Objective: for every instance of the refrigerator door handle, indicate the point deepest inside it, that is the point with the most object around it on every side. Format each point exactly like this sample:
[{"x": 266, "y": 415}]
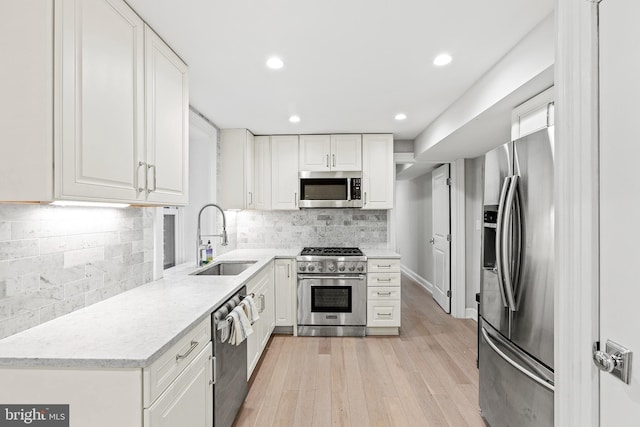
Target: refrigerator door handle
[
  {"x": 516, "y": 365},
  {"x": 499, "y": 232},
  {"x": 507, "y": 242}
]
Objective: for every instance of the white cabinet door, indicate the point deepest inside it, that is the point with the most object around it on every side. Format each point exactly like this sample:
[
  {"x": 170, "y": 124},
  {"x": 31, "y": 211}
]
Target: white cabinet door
[
  {"x": 262, "y": 173},
  {"x": 236, "y": 169},
  {"x": 263, "y": 288},
  {"x": 268, "y": 315},
  {"x": 188, "y": 400},
  {"x": 167, "y": 120},
  {"x": 285, "y": 290},
  {"x": 315, "y": 153},
  {"x": 346, "y": 152},
  {"x": 284, "y": 172},
  {"x": 99, "y": 51},
  {"x": 378, "y": 171}
]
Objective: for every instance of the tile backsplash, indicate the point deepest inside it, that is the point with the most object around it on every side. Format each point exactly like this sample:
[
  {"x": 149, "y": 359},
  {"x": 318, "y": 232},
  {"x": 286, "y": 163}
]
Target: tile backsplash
[
  {"x": 312, "y": 227},
  {"x": 54, "y": 260}
]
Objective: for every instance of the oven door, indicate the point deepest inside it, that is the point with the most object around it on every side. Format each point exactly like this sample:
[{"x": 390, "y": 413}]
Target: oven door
[{"x": 339, "y": 300}]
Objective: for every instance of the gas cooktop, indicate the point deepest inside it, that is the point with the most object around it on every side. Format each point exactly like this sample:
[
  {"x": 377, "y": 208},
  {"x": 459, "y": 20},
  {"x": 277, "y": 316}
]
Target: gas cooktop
[{"x": 331, "y": 251}]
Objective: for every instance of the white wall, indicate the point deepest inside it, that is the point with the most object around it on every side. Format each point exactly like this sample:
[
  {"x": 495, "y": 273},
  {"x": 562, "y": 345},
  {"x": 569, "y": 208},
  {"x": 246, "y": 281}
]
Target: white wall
[
  {"x": 473, "y": 224},
  {"x": 414, "y": 227},
  {"x": 202, "y": 185}
]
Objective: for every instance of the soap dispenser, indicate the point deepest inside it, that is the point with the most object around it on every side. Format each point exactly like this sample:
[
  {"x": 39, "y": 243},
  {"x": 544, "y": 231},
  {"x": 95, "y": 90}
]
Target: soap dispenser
[{"x": 209, "y": 252}]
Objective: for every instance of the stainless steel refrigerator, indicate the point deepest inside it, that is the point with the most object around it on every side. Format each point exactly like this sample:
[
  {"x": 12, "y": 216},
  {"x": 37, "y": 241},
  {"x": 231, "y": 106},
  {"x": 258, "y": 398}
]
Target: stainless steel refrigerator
[{"x": 516, "y": 293}]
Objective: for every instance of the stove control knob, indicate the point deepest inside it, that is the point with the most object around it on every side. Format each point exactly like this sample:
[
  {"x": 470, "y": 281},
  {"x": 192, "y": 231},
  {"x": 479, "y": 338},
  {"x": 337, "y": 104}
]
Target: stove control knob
[
  {"x": 302, "y": 267},
  {"x": 341, "y": 267},
  {"x": 311, "y": 268},
  {"x": 361, "y": 267},
  {"x": 352, "y": 267},
  {"x": 331, "y": 267},
  {"x": 320, "y": 267}
]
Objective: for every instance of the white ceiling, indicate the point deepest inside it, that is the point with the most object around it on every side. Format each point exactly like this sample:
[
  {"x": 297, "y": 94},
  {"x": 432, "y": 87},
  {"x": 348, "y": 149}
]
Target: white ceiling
[{"x": 350, "y": 65}]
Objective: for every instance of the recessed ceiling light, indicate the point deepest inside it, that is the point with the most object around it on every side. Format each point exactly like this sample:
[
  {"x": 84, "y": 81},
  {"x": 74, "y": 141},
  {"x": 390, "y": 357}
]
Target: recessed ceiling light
[
  {"x": 401, "y": 116},
  {"x": 275, "y": 63},
  {"x": 294, "y": 119},
  {"x": 442, "y": 59}
]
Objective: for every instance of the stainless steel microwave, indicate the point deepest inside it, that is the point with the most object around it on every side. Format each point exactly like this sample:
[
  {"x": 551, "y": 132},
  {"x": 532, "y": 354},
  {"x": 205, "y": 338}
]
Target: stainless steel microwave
[{"x": 330, "y": 189}]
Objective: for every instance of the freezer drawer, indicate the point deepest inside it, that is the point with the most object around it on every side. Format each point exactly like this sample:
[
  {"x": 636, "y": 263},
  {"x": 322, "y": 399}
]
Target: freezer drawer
[{"x": 508, "y": 396}]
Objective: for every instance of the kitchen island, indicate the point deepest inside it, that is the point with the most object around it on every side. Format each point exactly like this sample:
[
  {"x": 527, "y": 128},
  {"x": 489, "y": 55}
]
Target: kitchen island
[{"x": 141, "y": 351}]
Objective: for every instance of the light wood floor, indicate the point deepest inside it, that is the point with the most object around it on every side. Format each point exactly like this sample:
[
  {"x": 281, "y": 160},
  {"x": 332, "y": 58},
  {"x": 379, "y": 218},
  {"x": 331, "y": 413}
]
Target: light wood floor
[{"x": 427, "y": 376}]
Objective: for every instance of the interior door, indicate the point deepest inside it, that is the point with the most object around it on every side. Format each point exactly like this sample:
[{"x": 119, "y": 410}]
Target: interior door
[
  {"x": 441, "y": 238},
  {"x": 619, "y": 201}
]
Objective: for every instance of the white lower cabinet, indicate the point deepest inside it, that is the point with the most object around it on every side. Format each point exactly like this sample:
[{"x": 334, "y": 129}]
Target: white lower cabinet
[
  {"x": 262, "y": 287},
  {"x": 188, "y": 401},
  {"x": 383, "y": 296},
  {"x": 176, "y": 390},
  {"x": 285, "y": 289}
]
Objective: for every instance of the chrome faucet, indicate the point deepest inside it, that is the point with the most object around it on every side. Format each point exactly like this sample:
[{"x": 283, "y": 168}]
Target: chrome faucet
[{"x": 225, "y": 239}]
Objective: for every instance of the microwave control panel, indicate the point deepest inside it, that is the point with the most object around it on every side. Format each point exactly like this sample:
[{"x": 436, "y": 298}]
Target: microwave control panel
[{"x": 356, "y": 189}]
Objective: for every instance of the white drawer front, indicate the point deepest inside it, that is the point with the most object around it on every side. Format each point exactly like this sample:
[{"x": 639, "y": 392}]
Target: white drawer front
[
  {"x": 383, "y": 279},
  {"x": 383, "y": 266},
  {"x": 383, "y": 293},
  {"x": 163, "y": 371},
  {"x": 383, "y": 313}
]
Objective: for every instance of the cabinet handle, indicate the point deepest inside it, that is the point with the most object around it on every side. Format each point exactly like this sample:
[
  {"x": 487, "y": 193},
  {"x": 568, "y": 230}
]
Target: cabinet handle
[
  {"x": 194, "y": 344},
  {"x": 262, "y": 303},
  {"x": 288, "y": 270},
  {"x": 385, "y": 314},
  {"x": 250, "y": 198},
  {"x": 154, "y": 178},
  {"x": 295, "y": 199},
  {"x": 388, "y": 294},
  {"x": 333, "y": 156},
  {"x": 327, "y": 161},
  {"x": 383, "y": 266},
  {"x": 365, "y": 198},
  {"x": 141, "y": 163}
]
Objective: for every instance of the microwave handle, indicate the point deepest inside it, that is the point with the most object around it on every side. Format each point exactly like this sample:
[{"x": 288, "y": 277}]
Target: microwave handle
[{"x": 349, "y": 189}]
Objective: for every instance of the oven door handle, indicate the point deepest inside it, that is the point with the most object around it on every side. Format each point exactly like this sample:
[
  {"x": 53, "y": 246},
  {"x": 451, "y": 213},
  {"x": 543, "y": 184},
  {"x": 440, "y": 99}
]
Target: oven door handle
[{"x": 321, "y": 277}]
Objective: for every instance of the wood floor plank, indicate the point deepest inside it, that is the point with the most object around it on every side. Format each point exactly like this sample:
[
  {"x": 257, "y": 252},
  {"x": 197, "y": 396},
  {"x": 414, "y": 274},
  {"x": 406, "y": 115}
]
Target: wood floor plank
[{"x": 426, "y": 376}]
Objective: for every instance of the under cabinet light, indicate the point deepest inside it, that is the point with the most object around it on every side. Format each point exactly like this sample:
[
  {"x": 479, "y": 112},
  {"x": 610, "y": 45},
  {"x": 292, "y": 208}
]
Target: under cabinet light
[
  {"x": 89, "y": 204},
  {"x": 294, "y": 119},
  {"x": 401, "y": 116}
]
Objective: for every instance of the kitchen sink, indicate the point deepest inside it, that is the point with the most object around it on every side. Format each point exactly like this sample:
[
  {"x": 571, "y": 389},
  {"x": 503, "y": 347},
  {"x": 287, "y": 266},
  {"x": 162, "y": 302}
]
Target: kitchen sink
[{"x": 225, "y": 268}]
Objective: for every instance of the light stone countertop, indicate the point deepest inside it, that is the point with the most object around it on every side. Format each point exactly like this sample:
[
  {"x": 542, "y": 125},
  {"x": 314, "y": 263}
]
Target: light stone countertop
[
  {"x": 132, "y": 329},
  {"x": 380, "y": 253}
]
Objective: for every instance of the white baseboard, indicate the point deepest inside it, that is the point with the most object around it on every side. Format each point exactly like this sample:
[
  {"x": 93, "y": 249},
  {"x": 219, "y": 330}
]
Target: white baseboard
[
  {"x": 471, "y": 313},
  {"x": 421, "y": 280}
]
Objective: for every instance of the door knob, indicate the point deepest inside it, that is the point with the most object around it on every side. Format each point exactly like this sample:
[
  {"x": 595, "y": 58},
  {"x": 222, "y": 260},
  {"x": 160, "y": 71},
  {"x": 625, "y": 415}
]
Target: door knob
[
  {"x": 615, "y": 360},
  {"x": 432, "y": 241}
]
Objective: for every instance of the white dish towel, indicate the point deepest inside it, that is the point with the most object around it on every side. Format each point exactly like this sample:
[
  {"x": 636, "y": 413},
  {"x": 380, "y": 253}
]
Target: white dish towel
[
  {"x": 250, "y": 309},
  {"x": 240, "y": 326}
]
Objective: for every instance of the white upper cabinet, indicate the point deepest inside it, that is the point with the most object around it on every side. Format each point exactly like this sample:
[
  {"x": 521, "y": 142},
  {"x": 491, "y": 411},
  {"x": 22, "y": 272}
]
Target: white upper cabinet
[
  {"x": 236, "y": 169},
  {"x": 284, "y": 172},
  {"x": 99, "y": 87},
  {"x": 330, "y": 152},
  {"x": 315, "y": 152},
  {"x": 346, "y": 152},
  {"x": 535, "y": 114},
  {"x": 262, "y": 173},
  {"x": 84, "y": 64},
  {"x": 167, "y": 120},
  {"x": 378, "y": 171}
]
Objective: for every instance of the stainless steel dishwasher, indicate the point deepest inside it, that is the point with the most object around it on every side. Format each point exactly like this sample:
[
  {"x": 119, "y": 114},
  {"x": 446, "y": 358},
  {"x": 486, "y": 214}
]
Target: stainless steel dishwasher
[{"x": 229, "y": 368}]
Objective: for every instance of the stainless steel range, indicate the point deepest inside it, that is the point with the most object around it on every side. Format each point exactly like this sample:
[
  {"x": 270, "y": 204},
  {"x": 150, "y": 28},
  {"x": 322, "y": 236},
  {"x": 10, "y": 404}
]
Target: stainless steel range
[{"x": 332, "y": 292}]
